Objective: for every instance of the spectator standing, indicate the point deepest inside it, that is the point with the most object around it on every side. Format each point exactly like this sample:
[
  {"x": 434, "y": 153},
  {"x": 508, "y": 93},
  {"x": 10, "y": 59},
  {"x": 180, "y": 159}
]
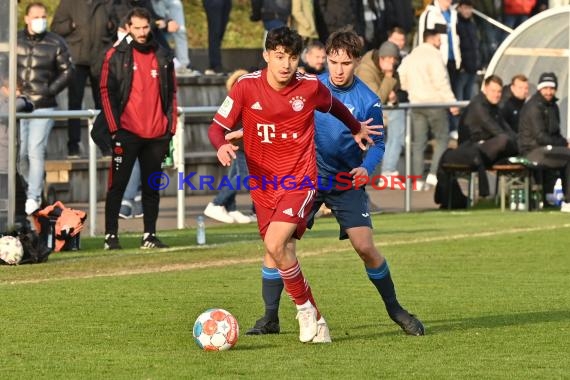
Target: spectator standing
[
  {"x": 159, "y": 25},
  {"x": 490, "y": 35},
  {"x": 515, "y": 12},
  {"x": 397, "y": 36},
  {"x": 469, "y": 46},
  {"x": 138, "y": 92},
  {"x": 387, "y": 15},
  {"x": 218, "y": 16},
  {"x": 89, "y": 28},
  {"x": 174, "y": 10},
  {"x": 378, "y": 71},
  {"x": 303, "y": 20},
  {"x": 332, "y": 15},
  {"x": 513, "y": 99},
  {"x": 314, "y": 58},
  {"x": 441, "y": 12},
  {"x": 424, "y": 76},
  {"x": 272, "y": 13},
  {"x": 540, "y": 139},
  {"x": 44, "y": 70},
  {"x": 483, "y": 125}
]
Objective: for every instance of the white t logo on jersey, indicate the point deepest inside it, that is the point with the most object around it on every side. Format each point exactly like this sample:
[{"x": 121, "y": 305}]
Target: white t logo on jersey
[{"x": 266, "y": 131}]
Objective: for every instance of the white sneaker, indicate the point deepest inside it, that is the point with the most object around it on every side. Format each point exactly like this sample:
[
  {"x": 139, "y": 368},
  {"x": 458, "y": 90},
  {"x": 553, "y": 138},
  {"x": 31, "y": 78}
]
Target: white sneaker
[
  {"x": 253, "y": 218},
  {"x": 323, "y": 333},
  {"x": 240, "y": 218},
  {"x": 307, "y": 317},
  {"x": 565, "y": 207},
  {"x": 431, "y": 179},
  {"x": 419, "y": 185},
  {"x": 385, "y": 180},
  {"x": 32, "y": 206},
  {"x": 218, "y": 213}
]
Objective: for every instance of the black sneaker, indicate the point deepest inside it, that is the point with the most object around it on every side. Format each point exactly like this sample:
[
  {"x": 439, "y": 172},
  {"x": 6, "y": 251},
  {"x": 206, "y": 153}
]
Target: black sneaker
[
  {"x": 263, "y": 326},
  {"x": 151, "y": 241},
  {"x": 408, "y": 322},
  {"x": 112, "y": 242}
]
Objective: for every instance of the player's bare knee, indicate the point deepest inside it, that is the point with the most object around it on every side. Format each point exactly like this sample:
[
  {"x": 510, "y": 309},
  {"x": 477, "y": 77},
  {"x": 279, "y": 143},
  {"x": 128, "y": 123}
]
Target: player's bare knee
[
  {"x": 366, "y": 251},
  {"x": 276, "y": 251}
]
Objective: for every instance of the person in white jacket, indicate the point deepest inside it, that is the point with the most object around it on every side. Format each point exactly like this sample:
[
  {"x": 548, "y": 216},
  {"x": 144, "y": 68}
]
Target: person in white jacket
[
  {"x": 424, "y": 76},
  {"x": 441, "y": 12}
]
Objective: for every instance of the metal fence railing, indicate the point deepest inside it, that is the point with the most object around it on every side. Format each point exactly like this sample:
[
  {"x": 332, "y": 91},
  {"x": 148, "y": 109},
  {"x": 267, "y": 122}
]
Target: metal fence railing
[{"x": 179, "y": 160}]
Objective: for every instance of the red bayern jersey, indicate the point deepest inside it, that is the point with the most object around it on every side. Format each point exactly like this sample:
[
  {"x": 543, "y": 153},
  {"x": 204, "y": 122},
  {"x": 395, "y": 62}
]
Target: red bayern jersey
[{"x": 278, "y": 130}]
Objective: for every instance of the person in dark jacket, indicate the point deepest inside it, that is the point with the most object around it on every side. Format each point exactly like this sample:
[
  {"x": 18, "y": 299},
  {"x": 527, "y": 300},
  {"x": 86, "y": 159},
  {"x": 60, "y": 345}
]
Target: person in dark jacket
[
  {"x": 482, "y": 124},
  {"x": 540, "y": 139},
  {"x": 332, "y": 15},
  {"x": 89, "y": 28},
  {"x": 513, "y": 100},
  {"x": 469, "y": 46},
  {"x": 272, "y": 13},
  {"x": 138, "y": 93},
  {"x": 44, "y": 70}
]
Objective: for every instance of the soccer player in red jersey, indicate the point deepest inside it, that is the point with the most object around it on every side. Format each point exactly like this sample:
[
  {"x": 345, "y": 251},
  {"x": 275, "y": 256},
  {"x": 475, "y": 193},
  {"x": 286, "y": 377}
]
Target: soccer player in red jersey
[{"x": 276, "y": 106}]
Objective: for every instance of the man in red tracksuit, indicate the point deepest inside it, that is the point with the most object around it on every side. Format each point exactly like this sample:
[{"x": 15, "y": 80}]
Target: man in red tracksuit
[{"x": 138, "y": 95}]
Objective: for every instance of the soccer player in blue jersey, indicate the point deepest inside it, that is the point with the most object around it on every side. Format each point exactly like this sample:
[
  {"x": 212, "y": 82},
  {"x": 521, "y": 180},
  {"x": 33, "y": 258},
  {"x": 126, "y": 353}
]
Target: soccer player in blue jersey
[{"x": 338, "y": 153}]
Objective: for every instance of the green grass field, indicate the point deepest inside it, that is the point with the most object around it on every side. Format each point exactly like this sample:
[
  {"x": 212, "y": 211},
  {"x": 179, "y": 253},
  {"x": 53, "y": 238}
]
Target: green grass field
[{"x": 491, "y": 288}]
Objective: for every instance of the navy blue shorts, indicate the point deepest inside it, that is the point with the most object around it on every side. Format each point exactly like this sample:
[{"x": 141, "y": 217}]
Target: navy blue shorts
[{"x": 349, "y": 207}]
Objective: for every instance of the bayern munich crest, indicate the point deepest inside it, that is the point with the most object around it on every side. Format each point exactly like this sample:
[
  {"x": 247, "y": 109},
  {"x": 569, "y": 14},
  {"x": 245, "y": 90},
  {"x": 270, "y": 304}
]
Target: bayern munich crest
[{"x": 297, "y": 102}]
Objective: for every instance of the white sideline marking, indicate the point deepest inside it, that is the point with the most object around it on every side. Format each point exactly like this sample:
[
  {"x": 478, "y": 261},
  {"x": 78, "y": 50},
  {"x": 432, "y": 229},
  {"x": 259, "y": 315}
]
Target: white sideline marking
[{"x": 227, "y": 262}]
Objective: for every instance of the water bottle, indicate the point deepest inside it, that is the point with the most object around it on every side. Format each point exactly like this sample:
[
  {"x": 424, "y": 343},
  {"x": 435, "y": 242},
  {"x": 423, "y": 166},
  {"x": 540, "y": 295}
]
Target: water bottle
[
  {"x": 558, "y": 194},
  {"x": 169, "y": 159},
  {"x": 522, "y": 200},
  {"x": 513, "y": 201},
  {"x": 200, "y": 230}
]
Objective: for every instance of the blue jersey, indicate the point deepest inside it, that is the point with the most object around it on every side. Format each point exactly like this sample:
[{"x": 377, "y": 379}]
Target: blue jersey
[{"x": 336, "y": 149}]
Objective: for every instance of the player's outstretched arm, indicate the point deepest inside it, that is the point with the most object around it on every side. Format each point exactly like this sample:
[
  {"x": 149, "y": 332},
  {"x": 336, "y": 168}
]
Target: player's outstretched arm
[{"x": 360, "y": 130}]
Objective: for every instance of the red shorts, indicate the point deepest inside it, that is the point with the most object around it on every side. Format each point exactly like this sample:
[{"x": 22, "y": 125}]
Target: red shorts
[{"x": 292, "y": 207}]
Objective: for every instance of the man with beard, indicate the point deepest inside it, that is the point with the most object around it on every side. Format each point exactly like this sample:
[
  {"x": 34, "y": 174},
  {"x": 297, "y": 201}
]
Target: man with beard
[{"x": 138, "y": 93}]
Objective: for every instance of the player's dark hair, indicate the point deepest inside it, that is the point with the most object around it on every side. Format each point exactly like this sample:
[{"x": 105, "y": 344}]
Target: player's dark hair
[
  {"x": 138, "y": 13},
  {"x": 289, "y": 39},
  {"x": 344, "y": 39},
  {"x": 495, "y": 79}
]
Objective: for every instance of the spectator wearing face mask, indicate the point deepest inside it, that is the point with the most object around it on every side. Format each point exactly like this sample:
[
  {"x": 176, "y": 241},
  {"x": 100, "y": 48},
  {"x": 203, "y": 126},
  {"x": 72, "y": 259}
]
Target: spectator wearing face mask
[{"x": 44, "y": 70}]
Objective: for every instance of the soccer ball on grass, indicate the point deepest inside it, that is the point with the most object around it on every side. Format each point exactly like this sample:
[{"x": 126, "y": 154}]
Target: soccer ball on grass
[
  {"x": 11, "y": 250},
  {"x": 216, "y": 330}
]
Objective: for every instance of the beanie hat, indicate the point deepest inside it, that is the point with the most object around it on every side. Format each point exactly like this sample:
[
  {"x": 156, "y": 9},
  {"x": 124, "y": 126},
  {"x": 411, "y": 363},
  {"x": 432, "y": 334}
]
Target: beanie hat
[
  {"x": 388, "y": 49},
  {"x": 547, "y": 80}
]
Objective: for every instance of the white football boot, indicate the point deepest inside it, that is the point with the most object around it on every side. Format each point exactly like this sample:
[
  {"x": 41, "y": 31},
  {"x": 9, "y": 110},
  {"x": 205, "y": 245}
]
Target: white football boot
[
  {"x": 323, "y": 333},
  {"x": 307, "y": 317}
]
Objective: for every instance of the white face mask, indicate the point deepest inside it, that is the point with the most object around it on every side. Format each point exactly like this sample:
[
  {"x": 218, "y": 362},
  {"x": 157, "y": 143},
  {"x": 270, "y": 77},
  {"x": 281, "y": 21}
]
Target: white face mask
[{"x": 38, "y": 25}]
